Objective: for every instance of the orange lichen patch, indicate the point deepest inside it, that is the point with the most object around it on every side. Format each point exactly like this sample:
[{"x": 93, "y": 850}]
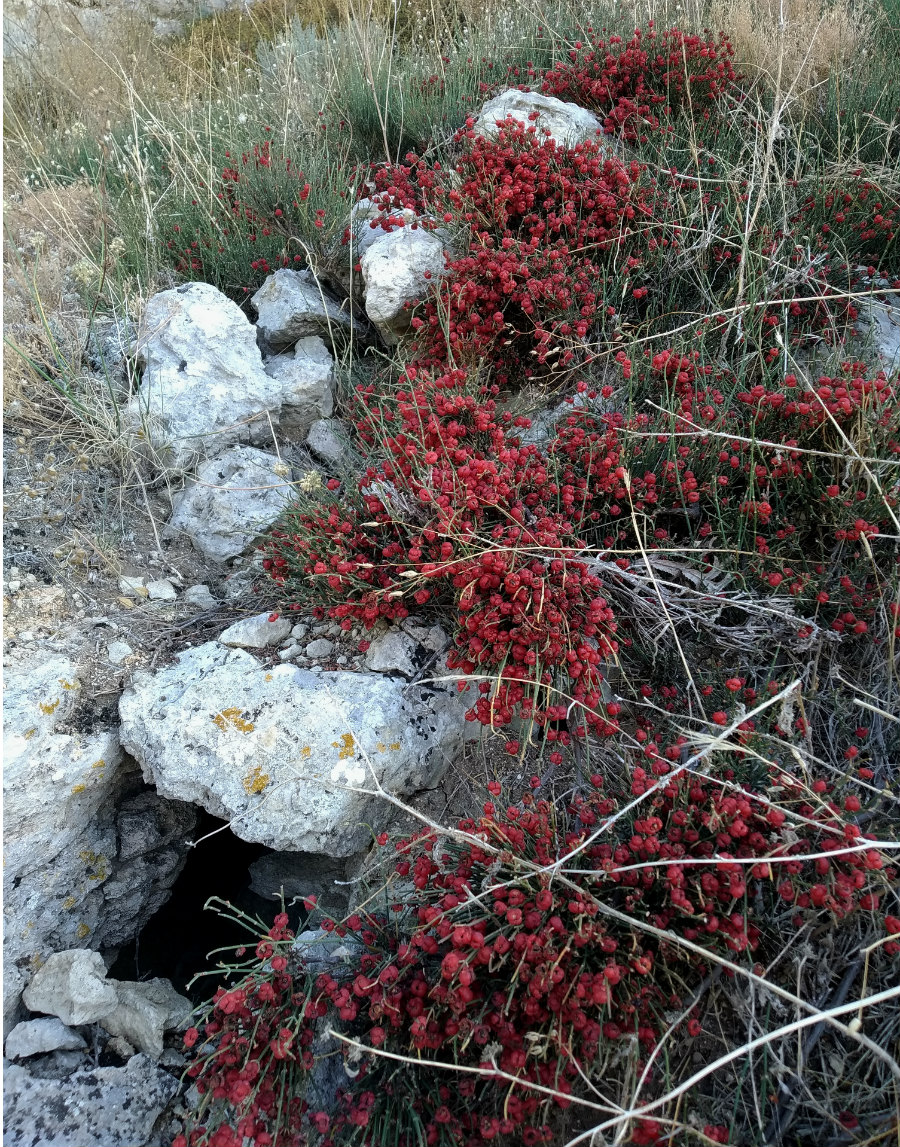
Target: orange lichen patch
[
  {"x": 78, "y": 788},
  {"x": 306, "y": 751},
  {"x": 347, "y": 747},
  {"x": 49, "y": 707},
  {"x": 380, "y": 747},
  {"x": 68, "y": 684},
  {"x": 99, "y": 764},
  {"x": 69, "y": 903},
  {"x": 256, "y": 781},
  {"x": 29, "y": 734},
  {"x": 82, "y": 930},
  {"x": 268, "y": 677},
  {"x": 394, "y": 746},
  {"x": 232, "y": 718}
]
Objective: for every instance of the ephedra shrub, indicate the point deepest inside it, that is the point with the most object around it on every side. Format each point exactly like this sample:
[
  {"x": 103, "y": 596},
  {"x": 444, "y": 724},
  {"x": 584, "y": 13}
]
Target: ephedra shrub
[{"x": 692, "y": 537}]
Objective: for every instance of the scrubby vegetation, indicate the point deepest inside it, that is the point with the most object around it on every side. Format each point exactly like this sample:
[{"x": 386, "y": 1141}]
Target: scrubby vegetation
[{"x": 634, "y": 459}]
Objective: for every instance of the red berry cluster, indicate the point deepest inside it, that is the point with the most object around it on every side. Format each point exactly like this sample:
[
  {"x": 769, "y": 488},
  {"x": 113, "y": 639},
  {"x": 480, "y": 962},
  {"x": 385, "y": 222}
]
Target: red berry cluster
[{"x": 498, "y": 959}]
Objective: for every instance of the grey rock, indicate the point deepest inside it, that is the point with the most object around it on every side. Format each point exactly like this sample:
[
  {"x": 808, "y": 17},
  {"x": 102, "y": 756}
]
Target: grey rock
[
  {"x": 319, "y": 648},
  {"x": 112, "y": 1106},
  {"x": 234, "y": 498},
  {"x": 73, "y": 986},
  {"x": 290, "y": 652},
  {"x": 398, "y": 270},
  {"x": 878, "y": 326},
  {"x": 118, "y": 651},
  {"x": 291, "y": 305},
  {"x": 161, "y": 590},
  {"x": 278, "y": 751},
  {"x": 300, "y": 874},
  {"x": 299, "y": 630},
  {"x": 203, "y": 387},
  {"x": 327, "y": 440},
  {"x": 58, "y": 1065},
  {"x": 433, "y": 638},
  {"x": 256, "y": 632},
  {"x": 305, "y": 376},
  {"x": 145, "y": 1011},
  {"x": 199, "y": 596},
  {"x": 367, "y": 226},
  {"x": 119, "y": 1046},
  {"x": 35, "y": 1037},
  {"x": 135, "y": 586},
  {"x": 392, "y": 652},
  {"x": 565, "y": 123}
]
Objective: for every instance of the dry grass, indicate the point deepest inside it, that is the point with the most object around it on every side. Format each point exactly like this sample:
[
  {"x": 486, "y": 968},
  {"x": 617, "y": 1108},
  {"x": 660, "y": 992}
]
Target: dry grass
[
  {"x": 795, "y": 44},
  {"x": 49, "y": 262}
]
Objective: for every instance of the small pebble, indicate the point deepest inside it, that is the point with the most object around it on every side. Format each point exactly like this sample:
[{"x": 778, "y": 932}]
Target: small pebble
[
  {"x": 289, "y": 653},
  {"x": 161, "y": 590},
  {"x": 26, "y": 635},
  {"x": 342, "y": 660},
  {"x": 118, "y": 651},
  {"x": 299, "y": 631},
  {"x": 320, "y": 648},
  {"x": 13, "y": 586}
]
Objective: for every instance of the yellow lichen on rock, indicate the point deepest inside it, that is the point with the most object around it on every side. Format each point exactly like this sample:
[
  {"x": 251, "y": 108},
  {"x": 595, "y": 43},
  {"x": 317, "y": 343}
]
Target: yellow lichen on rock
[
  {"x": 255, "y": 781},
  {"x": 231, "y": 718}
]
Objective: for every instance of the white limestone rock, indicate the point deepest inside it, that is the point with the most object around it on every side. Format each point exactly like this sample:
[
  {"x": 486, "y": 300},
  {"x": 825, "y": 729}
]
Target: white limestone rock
[
  {"x": 256, "y": 632},
  {"x": 112, "y": 1106},
  {"x": 276, "y": 751},
  {"x": 233, "y": 498},
  {"x": 144, "y": 1012},
  {"x": 306, "y": 376},
  {"x": 37, "y": 1037},
  {"x": 392, "y": 652},
  {"x": 326, "y": 440},
  {"x": 398, "y": 270},
  {"x": 73, "y": 986},
  {"x": 293, "y": 304},
  {"x": 203, "y": 387},
  {"x": 566, "y": 124}
]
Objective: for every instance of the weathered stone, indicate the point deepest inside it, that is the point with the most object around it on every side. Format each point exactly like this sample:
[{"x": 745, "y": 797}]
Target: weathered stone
[
  {"x": 320, "y": 648},
  {"x": 366, "y": 225},
  {"x": 112, "y": 1106},
  {"x": 161, "y": 590},
  {"x": 256, "y": 632},
  {"x": 305, "y": 375},
  {"x": 566, "y": 124},
  {"x": 327, "y": 440},
  {"x": 118, "y": 652},
  {"x": 234, "y": 498},
  {"x": 54, "y": 784},
  {"x": 204, "y": 387},
  {"x": 276, "y": 751},
  {"x": 145, "y": 1011},
  {"x": 392, "y": 652},
  {"x": 878, "y": 327},
  {"x": 199, "y": 596},
  {"x": 292, "y": 305},
  {"x": 397, "y": 270},
  {"x": 73, "y": 986},
  {"x": 137, "y": 586},
  {"x": 433, "y": 638},
  {"x": 36, "y": 1037},
  {"x": 305, "y": 874}
]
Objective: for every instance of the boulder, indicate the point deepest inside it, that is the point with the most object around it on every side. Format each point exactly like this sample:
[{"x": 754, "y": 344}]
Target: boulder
[
  {"x": 257, "y": 632},
  {"x": 277, "y": 751},
  {"x": 565, "y": 123},
  {"x": 305, "y": 376},
  {"x": 37, "y": 1037},
  {"x": 397, "y": 271},
  {"x": 112, "y": 1106},
  {"x": 73, "y": 986},
  {"x": 291, "y": 305},
  {"x": 234, "y": 498},
  {"x": 203, "y": 387},
  {"x": 71, "y": 878},
  {"x": 392, "y": 652},
  {"x": 144, "y": 1012}
]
